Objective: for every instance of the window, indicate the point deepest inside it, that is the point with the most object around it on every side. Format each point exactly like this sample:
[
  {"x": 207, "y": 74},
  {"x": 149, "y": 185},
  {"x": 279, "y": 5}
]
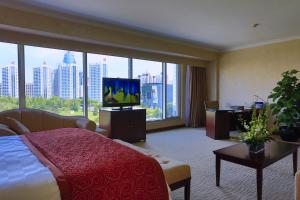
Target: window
[
  {"x": 151, "y": 76},
  {"x": 9, "y": 83},
  {"x": 99, "y": 66},
  {"x": 53, "y": 80},
  {"x": 172, "y": 90}
]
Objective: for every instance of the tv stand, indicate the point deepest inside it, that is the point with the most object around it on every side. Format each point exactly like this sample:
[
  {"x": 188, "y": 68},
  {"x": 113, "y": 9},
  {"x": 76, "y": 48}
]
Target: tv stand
[{"x": 127, "y": 124}]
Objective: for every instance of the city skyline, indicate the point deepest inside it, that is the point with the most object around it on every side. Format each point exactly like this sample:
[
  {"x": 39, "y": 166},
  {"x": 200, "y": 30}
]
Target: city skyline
[
  {"x": 35, "y": 56},
  {"x": 54, "y": 72},
  {"x": 63, "y": 80}
]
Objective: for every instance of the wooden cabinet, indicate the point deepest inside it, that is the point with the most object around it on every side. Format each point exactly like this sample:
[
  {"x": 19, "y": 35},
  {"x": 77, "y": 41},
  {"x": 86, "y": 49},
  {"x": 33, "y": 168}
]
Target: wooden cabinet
[{"x": 126, "y": 125}]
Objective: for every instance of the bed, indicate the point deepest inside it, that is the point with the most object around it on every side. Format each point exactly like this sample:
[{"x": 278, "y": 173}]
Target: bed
[{"x": 72, "y": 163}]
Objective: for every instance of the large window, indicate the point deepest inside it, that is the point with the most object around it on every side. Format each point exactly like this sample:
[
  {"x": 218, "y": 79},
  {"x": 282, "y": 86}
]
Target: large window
[
  {"x": 9, "y": 84},
  {"x": 53, "y": 80},
  {"x": 99, "y": 66},
  {"x": 172, "y": 90},
  {"x": 151, "y": 76},
  {"x": 66, "y": 83}
]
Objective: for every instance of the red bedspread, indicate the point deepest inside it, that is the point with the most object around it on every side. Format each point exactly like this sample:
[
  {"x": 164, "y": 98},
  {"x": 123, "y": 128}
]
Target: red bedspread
[{"x": 94, "y": 167}]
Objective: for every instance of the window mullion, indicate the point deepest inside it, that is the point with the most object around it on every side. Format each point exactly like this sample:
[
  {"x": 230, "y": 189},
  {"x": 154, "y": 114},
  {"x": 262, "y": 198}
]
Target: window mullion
[
  {"x": 164, "y": 90},
  {"x": 85, "y": 86},
  {"x": 130, "y": 68},
  {"x": 21, "y": 76},
  {"x": 178, "y": 86}
]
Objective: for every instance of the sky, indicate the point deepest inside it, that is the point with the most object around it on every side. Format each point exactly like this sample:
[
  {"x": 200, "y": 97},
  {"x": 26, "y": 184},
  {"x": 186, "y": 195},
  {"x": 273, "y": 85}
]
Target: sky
[{"x": 35, "y": 56}]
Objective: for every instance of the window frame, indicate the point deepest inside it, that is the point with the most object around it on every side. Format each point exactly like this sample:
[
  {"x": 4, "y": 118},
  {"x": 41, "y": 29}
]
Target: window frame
[
  {"x": 87, "y": 77},
  {"x": 21, "y": 82},
  {"x": 24, "y": 69},
  {"x": 178, "y": 84},
  {"x": 163, "y": 88}
]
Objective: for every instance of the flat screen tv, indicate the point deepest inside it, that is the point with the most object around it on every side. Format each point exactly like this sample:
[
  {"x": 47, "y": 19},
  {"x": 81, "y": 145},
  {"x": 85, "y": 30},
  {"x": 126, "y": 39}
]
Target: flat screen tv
[{"x": 119, "y": 92}]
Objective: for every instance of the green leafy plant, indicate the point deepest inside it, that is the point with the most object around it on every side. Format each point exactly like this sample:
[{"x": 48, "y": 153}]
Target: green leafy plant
[
  {"x": 256, "y": 130},
  {"x": 286, "y": 99}
]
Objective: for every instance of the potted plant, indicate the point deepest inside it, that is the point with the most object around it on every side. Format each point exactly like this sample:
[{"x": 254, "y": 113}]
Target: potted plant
[
  {"x": 256, "y": 132},
  {"x": 285, "y": 106}
]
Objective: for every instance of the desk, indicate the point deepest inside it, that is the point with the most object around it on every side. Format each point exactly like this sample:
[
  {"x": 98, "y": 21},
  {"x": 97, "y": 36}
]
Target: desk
[
  {"x": 220, "y": 122},
  {"x": 236, "y": 116}
]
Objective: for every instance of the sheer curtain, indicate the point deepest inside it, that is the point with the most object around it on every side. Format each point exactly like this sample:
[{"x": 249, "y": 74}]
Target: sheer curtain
[{"x": 196, "y": 94}]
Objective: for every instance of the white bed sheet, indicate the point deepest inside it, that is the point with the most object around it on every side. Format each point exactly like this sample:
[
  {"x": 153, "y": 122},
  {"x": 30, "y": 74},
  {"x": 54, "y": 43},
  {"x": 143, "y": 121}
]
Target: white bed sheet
[{"x": 22, "y": 175}]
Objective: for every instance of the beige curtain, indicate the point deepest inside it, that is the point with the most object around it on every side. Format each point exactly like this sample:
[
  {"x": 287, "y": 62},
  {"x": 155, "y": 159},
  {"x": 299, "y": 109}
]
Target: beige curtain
[{"x": 196, "y": 94}]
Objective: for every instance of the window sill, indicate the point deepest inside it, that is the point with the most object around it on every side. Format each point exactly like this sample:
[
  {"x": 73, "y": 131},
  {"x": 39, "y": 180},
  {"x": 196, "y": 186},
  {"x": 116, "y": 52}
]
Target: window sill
[
  {"x": 164, "y": 123},
  {"x": 162, "y": 120}
]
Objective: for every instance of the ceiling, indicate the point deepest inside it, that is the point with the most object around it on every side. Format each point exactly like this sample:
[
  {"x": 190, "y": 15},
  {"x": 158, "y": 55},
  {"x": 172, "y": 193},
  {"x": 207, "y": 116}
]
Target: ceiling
[{"x": 218, "y": 24}]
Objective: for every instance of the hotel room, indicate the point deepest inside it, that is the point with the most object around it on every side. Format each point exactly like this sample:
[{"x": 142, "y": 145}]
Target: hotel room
[{"x": 149, "y": 99}]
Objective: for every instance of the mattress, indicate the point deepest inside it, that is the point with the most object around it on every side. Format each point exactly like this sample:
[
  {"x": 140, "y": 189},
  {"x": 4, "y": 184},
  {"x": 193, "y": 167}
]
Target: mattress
[{"x": 22, "y": 175}]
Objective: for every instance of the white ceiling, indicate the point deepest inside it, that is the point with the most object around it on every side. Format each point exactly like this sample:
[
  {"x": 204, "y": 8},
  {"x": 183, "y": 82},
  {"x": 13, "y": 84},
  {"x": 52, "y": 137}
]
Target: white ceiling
[{"x": 220, "y": 24}]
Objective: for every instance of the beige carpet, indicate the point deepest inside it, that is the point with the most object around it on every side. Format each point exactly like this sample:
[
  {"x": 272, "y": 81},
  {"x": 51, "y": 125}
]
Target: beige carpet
[{"x": 237, "y": 182}]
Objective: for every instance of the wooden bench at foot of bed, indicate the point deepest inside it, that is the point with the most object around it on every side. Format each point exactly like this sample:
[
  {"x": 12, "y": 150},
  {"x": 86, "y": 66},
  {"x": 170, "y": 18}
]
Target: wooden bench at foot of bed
[{"x": 177, "y": 174}]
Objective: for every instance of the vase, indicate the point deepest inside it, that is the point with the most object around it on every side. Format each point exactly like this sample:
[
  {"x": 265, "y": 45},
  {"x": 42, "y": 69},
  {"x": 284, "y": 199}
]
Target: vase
[{"x": 256, "y": 149}]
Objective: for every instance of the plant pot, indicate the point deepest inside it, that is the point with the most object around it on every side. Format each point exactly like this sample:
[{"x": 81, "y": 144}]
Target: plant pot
[
  {"x": 298, "y": 128},
  {"x": 256, "y": 149},
  {"x": 288, "y": 134}
]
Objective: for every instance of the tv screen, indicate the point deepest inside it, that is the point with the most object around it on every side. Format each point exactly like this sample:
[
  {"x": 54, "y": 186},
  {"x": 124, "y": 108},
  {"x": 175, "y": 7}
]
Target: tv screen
[{"x": 118, "y": 92}]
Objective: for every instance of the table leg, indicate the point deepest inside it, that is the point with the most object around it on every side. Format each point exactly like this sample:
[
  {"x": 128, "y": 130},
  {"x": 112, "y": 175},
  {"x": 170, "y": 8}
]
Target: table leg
[
  {"x": 259, "y": 183},
  {"x": 295, "y": 160},
  {"x": 218, "y": 170}
]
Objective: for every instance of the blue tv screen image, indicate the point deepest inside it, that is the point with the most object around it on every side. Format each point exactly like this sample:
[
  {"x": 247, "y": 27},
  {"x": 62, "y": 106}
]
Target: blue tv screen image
[{"x": 120, "y": 92}]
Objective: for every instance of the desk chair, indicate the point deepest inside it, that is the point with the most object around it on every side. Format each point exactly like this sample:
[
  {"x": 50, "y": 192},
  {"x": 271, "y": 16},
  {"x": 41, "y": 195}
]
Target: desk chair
[
  {"x": 217, "y": 121},
  {"x": 211, "y": 105}
]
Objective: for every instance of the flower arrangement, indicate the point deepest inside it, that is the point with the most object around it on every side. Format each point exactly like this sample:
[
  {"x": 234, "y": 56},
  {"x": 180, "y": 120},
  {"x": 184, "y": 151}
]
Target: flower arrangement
[{"x": 256, "y": 133}]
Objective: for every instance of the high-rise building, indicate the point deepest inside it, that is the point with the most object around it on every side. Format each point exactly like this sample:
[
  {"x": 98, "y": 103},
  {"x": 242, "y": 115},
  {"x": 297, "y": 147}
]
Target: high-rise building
[
  {"x": 80, "y": 84},
  {"x": 95, "y": 81},
  {"x": 96, "y": 73},
  {"x": 55, "y": 83},
  {"x": 29, "y": 90},
  {"x": 67, "y": 78},
  {"x": 145, "y": 78},
  {"x": 151, "y": 95},
  {"x": 9, "y": 84},
  {"x": 148, "y": 78},
  {"x": 104, "y": 74},
  {"x": 42, "y": 81}
]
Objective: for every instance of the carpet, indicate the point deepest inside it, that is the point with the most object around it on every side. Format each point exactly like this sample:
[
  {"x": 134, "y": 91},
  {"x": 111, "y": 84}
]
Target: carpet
[{"x": 237, "y": 182}]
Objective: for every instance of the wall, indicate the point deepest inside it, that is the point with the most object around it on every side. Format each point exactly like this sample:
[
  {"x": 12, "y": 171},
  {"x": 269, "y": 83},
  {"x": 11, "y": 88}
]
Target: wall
[
  {"x": 58, "y": 25},
  {"x": 254, "y": 71}
]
